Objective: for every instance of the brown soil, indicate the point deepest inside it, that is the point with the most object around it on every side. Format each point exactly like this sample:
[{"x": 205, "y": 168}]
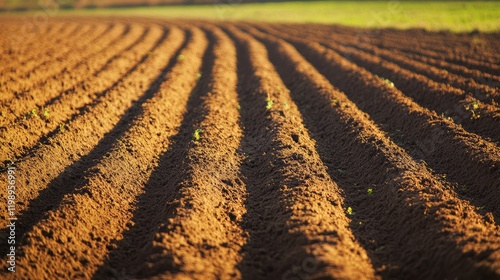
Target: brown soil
[{"x": 216, "y": 150}]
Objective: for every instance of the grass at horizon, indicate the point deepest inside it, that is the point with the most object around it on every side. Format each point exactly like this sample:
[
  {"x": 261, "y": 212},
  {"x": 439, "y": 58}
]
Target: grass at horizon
[{"x": 457, "y": 16}]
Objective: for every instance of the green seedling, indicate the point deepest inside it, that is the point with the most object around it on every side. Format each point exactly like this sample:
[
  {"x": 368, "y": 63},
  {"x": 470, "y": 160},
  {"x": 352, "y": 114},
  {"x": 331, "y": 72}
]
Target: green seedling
[
  {"x": 370, "y": 191},
  {"x": 197, "y": 134},
  {"x": 198, "y": 75},
  {"x": 349, "y": 210},
  {"x": 335, "y": 101},
  {"x": 239, "y": 107},
  {"x": 475, "y": 115},
  {"x": 180, "y": 57},
  {"x": 61, "y": 128},
  {"x": 33, "y": 113},
  {"x": 269, "y": 104},
  {"x": 475, "y": 106},
  {"x": 387, "y": 81},
  {"x": 45, "y": 113},
  {"x": 472, "y": 107}
]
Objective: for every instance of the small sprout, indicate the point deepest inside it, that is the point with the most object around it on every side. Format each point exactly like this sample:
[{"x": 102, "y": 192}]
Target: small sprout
[
  {"x": 335, "y": 101},
  {"x": 180, "y": 57},
  {"x": 269, "y": 104},
  {"x": 239, "y": 107},
  {"x": 198, "y": 75},
  {"x": 360, "y": 223},
  {"x": 370, "y": 191},
  {"x": 349, "y": 210},
  {"x": 391, "y": 84},
  {"x": 475, "y": 106},
  {"x": 387, "y": 81},
  {"x": 61, "y": 127},
  {"x": 472, "y": 107},
  {"x": 45, "y": 113},
  {"x": 33, "y": 113},
  {"x": 197, "y": 134}
]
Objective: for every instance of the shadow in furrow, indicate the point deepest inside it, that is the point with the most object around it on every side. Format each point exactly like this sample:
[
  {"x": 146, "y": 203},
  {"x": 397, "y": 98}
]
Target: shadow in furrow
[
  {"x": 271, "y": 248},
  {"x": 110, "y": 60},
  {"x": 156, "y": 205},
  {"x": 71, "y": 179},
  {"x": 384, "y": 227}
]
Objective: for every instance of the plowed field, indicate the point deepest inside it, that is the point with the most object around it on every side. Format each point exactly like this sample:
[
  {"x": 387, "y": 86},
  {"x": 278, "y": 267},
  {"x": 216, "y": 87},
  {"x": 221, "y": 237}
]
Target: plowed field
[{"x": 213, "y": 150}]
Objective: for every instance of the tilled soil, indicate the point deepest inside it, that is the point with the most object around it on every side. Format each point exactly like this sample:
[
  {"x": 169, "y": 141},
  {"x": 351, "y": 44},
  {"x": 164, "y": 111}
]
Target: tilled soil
[{"x": 213, "y": 150}]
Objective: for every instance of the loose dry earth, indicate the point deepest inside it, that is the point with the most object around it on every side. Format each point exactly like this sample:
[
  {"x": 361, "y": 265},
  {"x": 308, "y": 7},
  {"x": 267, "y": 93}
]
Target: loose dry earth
[{"x": 211, "y": 150}]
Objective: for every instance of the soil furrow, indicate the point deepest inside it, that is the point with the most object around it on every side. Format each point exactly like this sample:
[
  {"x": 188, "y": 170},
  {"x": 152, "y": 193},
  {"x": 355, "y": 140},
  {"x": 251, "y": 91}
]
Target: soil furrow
[
  {"x": 478, "y": 76},
  {"x": 194, "y": 229},
  {"x": 67, "y": 81},
  {"x": 77, "y": 55},
  {"x": 21, "y": 53},
  {"x": 412, "y": 207},
  {"x": 469, "y": 85},
  {"x": 450, "y": 57},
  {"x": 83, "y": 35},
  {"x": 477, "y": 90},
  {"x": 466, "y": 158},
  {"x": 466, "y": 54},
  {"x": 465, "y": 109},
  {"x": 130, "y": 148},
  {"x": 148, "y": 206},
  {"x": 12, "y": 82},
  {"x": 11, "y": 45},
  {"x": 295, "y": 219},
  {"x": 60, "y": 157},
  {"x": 22, "y": 136},
  {"x": 475, "y": 111},
  {"x": 466, "y": 48},
  {"x": 15, "y": 63},
  {"x": 16, "y": 70}
]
